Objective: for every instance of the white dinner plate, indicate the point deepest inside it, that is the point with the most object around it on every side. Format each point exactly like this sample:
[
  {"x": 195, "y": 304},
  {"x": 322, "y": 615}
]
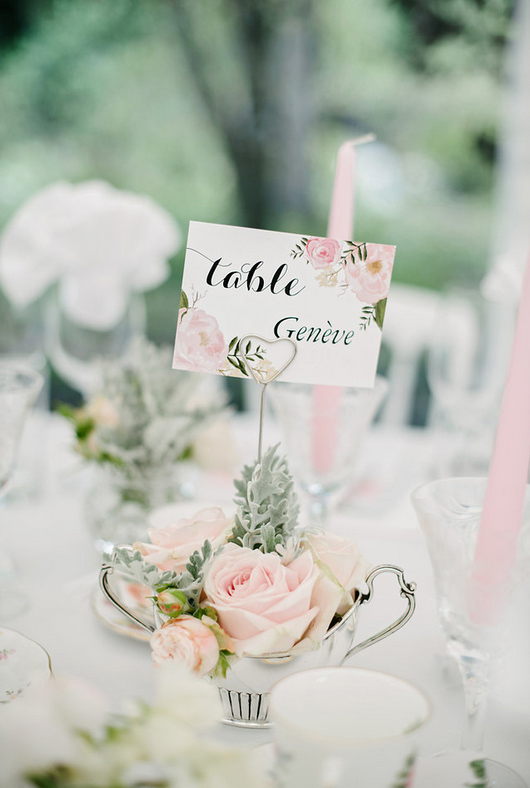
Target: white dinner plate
[{"x": 21, "y": 662}]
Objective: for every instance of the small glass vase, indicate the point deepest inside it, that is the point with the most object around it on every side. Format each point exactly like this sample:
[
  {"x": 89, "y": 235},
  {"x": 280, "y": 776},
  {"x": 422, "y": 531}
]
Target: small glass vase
[{"x": 119, "y": 501}]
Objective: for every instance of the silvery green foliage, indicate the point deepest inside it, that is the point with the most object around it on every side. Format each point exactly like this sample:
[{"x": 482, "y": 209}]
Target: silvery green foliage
[
  {"x": 190, "y": 582},
  {"x": 161, "y": 410},
  {"x": 267, "y": 505}
]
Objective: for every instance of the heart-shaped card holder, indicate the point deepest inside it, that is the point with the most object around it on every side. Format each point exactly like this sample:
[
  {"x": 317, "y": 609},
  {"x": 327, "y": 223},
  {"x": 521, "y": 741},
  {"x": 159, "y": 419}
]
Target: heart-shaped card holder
[{"x": 265, "y": 360}]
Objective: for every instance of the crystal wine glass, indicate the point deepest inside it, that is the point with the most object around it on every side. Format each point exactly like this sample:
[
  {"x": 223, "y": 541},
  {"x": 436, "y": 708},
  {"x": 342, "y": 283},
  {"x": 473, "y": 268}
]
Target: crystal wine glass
[
  {"x": 323, "y": 468},
  {"x": 465, "y": 371},
  {"x": 449, "y": 512},
  {"x": 73, "y": 348},
  {"x": 19, "y": 388}
]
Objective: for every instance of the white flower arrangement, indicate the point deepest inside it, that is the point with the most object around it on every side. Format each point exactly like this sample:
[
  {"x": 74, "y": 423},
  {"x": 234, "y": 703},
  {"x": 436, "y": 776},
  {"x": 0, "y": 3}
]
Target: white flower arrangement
[
  {"x": 97, "y": 243},
  {"x": 60, "y": 735}
]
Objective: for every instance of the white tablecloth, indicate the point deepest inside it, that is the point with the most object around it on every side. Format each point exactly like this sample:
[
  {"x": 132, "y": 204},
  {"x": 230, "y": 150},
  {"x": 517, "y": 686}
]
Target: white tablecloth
[{"x": 59, "y": 566}]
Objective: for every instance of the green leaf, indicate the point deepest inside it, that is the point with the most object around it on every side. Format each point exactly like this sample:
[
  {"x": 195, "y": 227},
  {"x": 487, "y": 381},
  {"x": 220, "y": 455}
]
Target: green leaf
[
  {"x": 379, "y": 315},
  {"x": 241, "y": 367},
  {"x": 233, "y": 343},
  {"x": 195, "y": 566},
  {"x": 184, "y": 303},
  {"x": 247, "y": 349},
  {"x": 478, "y": 768},
  {"x": 84, "y": 427},
  {"x": 223, "y": 663},
  {"x": 67, "y": 411}
]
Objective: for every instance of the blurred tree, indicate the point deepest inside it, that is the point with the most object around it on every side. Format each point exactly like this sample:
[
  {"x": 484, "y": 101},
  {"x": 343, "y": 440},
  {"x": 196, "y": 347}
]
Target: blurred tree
[
  {"x": 232, "y": 111},
  {"x": 265, "y": 122}
]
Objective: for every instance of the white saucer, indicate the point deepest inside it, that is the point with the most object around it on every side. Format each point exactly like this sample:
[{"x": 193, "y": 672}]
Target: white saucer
[
  {"x": 21, "y": 662},
  {"x": 116, "y": 621}
]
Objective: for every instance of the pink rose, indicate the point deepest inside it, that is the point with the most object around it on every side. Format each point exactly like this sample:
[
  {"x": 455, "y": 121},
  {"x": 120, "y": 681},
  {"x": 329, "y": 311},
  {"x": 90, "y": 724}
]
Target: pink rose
[
  {"x": 322, "y": 252},
  {"x": 172, "y": 545},
  {"x": 343, "y": 559},
  {"x": 264, "y": 605},
  {"x": 370, "y": 279},
  {"x": 187, "y": 640},
  {"x": 200, "y": 345}
]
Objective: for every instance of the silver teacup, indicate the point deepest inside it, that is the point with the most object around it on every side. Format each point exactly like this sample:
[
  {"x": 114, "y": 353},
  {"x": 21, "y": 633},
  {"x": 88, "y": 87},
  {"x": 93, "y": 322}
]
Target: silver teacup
[{"x": 244, "y": 692}]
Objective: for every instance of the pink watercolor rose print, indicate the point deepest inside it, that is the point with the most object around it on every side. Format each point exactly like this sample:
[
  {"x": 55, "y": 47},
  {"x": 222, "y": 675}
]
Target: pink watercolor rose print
[
  {"x": 322, "y": 252},
  {"x": 369, "y": 278},
  {"x": 200, "y": 346}
]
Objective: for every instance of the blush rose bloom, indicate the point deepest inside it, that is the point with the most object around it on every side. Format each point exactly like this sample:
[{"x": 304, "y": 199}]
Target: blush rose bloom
[
  {"x": 322, "y": 252},
  {"x": 187, "y": 640},
  {"x": 343, "y": 559},
  {"x": 200, "y": 345},
  {"x": 172, "y": 545},
  {"x": 370, "y": 279},
  {"x": 262, "y": 604}
]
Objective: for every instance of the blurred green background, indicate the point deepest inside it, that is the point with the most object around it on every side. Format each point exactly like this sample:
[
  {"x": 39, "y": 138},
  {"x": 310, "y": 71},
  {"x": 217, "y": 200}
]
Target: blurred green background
[{"x": 232, "y": 111}]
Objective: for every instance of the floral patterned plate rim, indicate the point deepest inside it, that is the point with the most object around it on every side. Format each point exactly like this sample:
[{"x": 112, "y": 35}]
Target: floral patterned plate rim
[
  {"x": 22, "y": 660},
  {"x": 113, "y": 619}
]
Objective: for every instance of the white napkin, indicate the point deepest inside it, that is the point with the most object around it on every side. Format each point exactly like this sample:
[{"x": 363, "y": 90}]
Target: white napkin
[{"x": 98, "y": 243}]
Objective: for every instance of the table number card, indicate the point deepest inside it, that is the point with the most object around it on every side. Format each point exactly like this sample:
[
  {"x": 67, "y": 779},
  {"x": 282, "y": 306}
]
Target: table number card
[{"x": 326, "y": 295}]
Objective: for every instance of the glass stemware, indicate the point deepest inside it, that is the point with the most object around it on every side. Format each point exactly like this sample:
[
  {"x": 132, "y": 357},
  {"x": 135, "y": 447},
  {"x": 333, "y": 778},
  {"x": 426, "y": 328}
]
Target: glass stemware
[
  {"x": 73, "y": 348},
  {"x": 347, "y": 418},
  {"x": 449, "y": 512},
  {"x": 19, "y": 389},
  {"x": 465, "y": 371}
]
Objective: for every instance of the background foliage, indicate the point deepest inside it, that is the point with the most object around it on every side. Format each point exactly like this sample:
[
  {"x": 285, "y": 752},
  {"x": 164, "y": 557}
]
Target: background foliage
[{"x": 232, "y": 111}]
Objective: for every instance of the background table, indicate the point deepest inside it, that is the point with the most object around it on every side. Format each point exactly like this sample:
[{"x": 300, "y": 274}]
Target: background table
[{"x": 59, "y": 567}]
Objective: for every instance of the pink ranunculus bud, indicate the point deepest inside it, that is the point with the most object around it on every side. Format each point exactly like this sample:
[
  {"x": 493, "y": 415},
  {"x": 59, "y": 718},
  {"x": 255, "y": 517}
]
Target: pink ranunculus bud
[{"x": 171, "y": 602}]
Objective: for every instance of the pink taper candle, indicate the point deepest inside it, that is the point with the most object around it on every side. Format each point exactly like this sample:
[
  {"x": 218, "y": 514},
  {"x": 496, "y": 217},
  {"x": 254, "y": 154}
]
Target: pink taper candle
[
  {"x": 502, "y": 511},
  {"x": 326, "y": 399}
]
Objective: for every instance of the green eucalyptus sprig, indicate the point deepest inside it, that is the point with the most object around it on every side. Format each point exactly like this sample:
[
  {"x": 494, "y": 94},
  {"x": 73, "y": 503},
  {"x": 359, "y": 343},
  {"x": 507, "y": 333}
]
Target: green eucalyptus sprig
[
  {"x": 267, "y": 505},
  {"x": 188, "y": 584}
]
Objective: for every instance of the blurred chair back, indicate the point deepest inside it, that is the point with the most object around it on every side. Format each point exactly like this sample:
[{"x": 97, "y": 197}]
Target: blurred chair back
[{"x": 409, "y": 322}]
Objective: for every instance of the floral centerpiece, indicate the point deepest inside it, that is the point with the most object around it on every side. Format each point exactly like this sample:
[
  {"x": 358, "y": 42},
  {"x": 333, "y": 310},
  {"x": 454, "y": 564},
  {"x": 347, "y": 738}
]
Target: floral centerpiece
[
  {"x": 146, "y": 420},
  {"x": 96, "y": 244},
  {"x": 252, "y": 585},
  {"x": 60, "y": 734}
]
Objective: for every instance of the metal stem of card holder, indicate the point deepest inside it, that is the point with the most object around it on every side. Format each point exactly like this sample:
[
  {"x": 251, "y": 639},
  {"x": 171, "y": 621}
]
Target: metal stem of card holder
[{"x": 260, "y": 379}]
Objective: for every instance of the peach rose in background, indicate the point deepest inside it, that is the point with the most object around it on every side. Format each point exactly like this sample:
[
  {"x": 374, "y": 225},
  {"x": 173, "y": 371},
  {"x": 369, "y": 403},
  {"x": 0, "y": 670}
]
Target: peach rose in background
[
  {"x": 200, "y": 345},
  {"x": 322, "y": 252},
  {"x": 102, "y": 412},
  {"x": 370, "y": 279},
  {"x": 344, "y": 560},
  {"x": 187, "y": 640},
  {"x": 264, "y": 605},
  {"x": 172, "y": 545}
]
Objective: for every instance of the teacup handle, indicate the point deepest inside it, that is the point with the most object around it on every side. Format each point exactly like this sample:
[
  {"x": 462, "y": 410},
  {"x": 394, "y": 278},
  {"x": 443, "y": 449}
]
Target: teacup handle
[
  {"x": 104, "y": 573},
  {"x": 407, "y": 590}
]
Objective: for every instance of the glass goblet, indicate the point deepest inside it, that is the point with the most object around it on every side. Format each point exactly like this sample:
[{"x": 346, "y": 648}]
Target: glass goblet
[
  {"x": 73, "y": 349},
  {"x": 465, "y": 371},
  {"x": 323, "y": 468},
  {"x": 449, "y": 512},
  {"x": 19, "y": 388}
]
